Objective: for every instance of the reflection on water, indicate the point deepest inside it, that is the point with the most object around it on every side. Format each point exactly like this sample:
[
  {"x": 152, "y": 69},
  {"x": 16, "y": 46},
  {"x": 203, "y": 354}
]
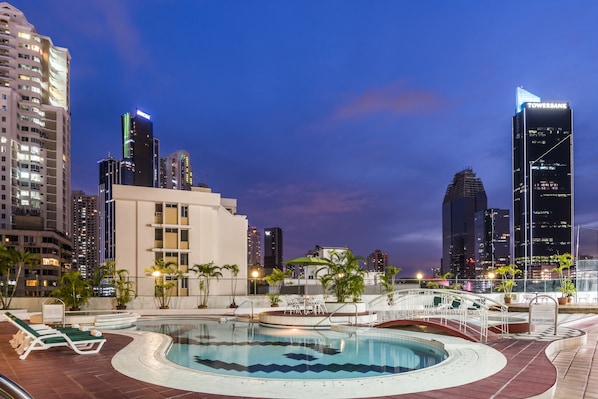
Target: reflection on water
[{"x": 249, "y": 350}]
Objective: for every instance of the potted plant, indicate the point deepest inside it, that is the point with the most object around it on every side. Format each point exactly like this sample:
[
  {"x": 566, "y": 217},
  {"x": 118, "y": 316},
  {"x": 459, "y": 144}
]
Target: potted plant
[
  {"x": 205, "y": 273},
  {"x": 275, "y": 280},
  {"x": 388, "y": 282},
  {"x": 73, "y": 289},
  {"x": 165, "y": 275},
  {"x": 566, "y": 287},
  {"x": 123, "y": 288},
  {"x": 274, "y": 299},
  {"x": 507, "y": 274},
  {"x": 234, "y": 270}
]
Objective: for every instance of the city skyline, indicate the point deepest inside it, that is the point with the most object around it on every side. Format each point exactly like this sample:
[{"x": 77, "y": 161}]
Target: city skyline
[{"x": 340, "y": 122}]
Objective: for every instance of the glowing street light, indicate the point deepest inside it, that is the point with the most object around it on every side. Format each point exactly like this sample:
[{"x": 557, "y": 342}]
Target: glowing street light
[
  {"x": 419, "y": 279},
  {"x": 255, "y": 274},
  {"x": 491, "y": 276}
]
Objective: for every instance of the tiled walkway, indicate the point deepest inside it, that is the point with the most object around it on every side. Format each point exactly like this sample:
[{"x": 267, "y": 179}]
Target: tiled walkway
[
  {"x": 59, "y": 373},
  {"x": 576, "y": 376}
]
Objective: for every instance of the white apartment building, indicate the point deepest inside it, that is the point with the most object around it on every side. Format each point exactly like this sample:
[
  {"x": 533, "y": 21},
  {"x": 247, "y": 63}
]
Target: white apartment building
[
  {"x": 184, "y": 227},
  {"x": 35, "y": 149}
]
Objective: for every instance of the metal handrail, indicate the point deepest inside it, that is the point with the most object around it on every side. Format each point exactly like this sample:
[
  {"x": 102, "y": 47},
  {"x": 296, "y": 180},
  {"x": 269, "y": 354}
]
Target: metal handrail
[
  {"x": 410, "y": 301},
  {"x": 242, "y": 303},
  {"x": 336, "y": 311},
  {"x": 11, "y": 390}
]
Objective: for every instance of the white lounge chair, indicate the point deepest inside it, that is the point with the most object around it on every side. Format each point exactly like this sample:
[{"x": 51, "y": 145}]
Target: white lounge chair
[{"x": 82, "y": 342}]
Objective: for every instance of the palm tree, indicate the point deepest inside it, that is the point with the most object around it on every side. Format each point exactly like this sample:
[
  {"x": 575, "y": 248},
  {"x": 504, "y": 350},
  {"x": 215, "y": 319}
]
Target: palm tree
[
  {"x": 10, "y": 259},
  {"x": 347, "y": 275},
  {"x": 443, "y": 277},
  {"x": 205, "y": 272},
  {"x": 164, "y": 273},
  {"x": 565, "y": 261},
  {"x": 388, "y": 282},
  {"x": 73, "y": 289},
  {"x": 234, "y": 270},
  {"x": 507, "y": 283},
  {"x": 124, "y": 288}
]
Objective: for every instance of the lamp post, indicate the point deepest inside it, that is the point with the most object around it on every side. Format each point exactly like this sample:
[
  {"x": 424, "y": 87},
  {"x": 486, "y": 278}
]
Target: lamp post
[
  {"x": 529, "y": 236},
  {"x": 419, "y": 279},
  {"x": 491, "y": 276},
  {"x": 255, "y": 274}
]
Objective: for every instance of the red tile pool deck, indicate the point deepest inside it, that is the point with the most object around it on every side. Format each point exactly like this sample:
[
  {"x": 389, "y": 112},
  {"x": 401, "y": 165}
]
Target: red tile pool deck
[{"x": 59, "y": 373}]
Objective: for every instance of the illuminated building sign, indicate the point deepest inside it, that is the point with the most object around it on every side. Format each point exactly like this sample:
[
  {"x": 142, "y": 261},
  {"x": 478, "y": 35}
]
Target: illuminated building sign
[
  {"x": 548, "y": 105},
  {"x": 143, "y": 114}
]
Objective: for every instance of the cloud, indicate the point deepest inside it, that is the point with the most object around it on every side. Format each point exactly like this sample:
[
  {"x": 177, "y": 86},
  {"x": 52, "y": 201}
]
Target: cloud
[
  {"x": 393, "y": 99},
  {"x": 102, "y": 23},
  {"x": 304, "y": 204},
  {"x": 125, "y": 36},
  {"x": 430, "y": 236}
]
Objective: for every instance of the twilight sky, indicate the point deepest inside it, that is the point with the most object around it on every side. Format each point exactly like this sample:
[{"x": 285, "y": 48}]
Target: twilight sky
[{"x": 342, "y": 122}]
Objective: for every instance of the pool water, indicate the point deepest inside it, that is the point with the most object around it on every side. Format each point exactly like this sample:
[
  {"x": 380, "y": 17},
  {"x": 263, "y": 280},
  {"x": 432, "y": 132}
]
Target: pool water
[{"x": 249, "y": 350}]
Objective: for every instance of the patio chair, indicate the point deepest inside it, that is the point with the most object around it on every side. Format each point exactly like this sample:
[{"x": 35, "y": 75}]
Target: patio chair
[
  {"x": 294, "y": 306},
  {"x": 318, "y": 306},
  {"x": 53, "y": 311},
  {"x": 82, "y": 342}
]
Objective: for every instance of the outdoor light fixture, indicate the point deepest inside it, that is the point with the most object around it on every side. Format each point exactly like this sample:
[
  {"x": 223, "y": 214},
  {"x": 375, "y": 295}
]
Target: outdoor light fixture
[
  {"x": 491, "y": 276},
  {"x": 255, "y": 274}
]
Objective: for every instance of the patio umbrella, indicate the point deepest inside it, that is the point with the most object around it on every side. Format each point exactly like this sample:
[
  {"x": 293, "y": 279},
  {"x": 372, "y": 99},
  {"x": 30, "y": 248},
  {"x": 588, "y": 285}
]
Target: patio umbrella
[{"x": 307, "y": 261}]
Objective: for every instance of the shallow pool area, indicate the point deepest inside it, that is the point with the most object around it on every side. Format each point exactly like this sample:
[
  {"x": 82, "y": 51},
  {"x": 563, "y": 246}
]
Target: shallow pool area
[
  {"x": 145, "y": 359},
  {"x": 246, "y": 349}
]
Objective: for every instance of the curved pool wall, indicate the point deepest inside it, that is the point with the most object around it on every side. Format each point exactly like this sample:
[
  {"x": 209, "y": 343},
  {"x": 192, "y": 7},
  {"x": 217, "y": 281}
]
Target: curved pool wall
[
  {"x": 251, "y": 350},
  {"x": 145, "y": 359}
]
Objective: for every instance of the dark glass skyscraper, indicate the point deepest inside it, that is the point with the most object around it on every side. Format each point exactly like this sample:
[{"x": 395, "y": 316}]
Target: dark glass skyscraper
[
  {"x": 140, "y": 161},
  {"x": 272, "y": 249},
  {"x": 493, "y": 240},
  {"x": 110, "y": 174},
  {"x": 464, "y": 197},
  {"x": 542, "y": 184}
]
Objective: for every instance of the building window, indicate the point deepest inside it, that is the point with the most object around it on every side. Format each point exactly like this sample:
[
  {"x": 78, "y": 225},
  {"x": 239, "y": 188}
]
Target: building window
[
  {"x": 171, "y": 205},
  {"x": 158, "y": 235},
  {"x": 184, "y": 211},
  {"x": 184, "y": 259},
  {"x": 184, "y": 235}
]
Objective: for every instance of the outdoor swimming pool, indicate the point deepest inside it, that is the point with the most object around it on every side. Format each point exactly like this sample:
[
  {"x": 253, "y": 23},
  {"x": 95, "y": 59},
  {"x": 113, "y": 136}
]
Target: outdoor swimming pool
[{"x": 244, "y": 349}]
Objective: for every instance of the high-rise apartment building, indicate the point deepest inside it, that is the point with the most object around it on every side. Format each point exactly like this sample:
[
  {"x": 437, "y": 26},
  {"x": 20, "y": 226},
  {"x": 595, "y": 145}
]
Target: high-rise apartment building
[
  {"x": 377, "y": 261},
  {"x": 140, "y": 150},
  {"x": 464, "y": 197},
  {"x": 86, "y": 251},
  {"x": 254, "y": 247},
  {"x": 176, "y": 171},
  {"x": 272, "y": 249},
  {"x": 35, "y": 148},
  {"x": 492, "y": 240},
  {"x": 542, "y": 183}
]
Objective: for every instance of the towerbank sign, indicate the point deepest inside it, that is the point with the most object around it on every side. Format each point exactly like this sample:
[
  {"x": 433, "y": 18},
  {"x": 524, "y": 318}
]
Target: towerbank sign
[{"x": 548, "y": 105}]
